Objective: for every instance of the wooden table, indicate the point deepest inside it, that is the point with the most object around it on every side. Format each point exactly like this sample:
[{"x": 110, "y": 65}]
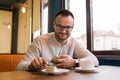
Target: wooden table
[{"x": 104, "y": 73}]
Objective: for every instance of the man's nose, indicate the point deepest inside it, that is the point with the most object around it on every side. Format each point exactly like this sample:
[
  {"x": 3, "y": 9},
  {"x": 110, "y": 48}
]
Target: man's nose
[{"x": 64, "y": 30}]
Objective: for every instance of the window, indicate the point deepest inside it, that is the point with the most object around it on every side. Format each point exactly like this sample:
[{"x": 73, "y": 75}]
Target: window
[
  {"x": 106, "y": 24},
  {"x": 97, "y": 24},
  {"x": 79, "y": 30},
  {"x": 45, "y": 17}
]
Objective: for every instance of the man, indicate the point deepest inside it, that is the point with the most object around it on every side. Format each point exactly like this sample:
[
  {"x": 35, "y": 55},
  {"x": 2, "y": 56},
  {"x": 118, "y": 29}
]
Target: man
[{"x": 56, "y": 48}]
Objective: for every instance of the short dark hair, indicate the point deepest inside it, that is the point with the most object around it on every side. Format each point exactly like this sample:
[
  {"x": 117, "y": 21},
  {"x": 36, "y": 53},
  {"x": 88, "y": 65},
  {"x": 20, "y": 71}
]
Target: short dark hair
[{"x": 64, "y": 13}]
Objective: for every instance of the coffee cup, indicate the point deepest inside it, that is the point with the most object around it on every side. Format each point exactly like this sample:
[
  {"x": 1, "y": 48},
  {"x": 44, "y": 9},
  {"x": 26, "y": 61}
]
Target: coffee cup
[{"x": 86, "y": 64}]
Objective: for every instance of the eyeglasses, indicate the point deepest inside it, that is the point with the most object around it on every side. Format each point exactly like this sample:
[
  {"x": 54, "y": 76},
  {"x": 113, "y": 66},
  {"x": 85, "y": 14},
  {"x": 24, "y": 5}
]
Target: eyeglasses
[{"x": 60, "y": 27}]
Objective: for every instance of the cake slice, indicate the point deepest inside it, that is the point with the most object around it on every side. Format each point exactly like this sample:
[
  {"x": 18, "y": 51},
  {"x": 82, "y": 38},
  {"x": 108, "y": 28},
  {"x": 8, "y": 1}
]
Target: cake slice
[{"x": 51, "y": 69}]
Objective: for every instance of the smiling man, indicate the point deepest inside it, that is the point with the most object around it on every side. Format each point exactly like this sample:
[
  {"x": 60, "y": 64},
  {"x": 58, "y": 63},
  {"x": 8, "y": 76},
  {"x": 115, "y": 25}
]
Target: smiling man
[{"x": 56, "y": 48}]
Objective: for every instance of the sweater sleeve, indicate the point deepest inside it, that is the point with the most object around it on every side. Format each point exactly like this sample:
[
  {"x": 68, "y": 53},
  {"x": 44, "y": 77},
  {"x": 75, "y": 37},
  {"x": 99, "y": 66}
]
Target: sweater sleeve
[
  {"x": 81, "y": 52},
  {"x": 32, "y": 53}
]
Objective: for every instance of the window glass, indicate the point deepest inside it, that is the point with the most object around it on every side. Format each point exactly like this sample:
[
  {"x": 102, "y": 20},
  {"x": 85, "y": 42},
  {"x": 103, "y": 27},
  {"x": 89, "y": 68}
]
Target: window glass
[
  {"x": 106, "y": 24},
  {"x": 78, "y": 8},
  {"x": 45, "y": 20}
]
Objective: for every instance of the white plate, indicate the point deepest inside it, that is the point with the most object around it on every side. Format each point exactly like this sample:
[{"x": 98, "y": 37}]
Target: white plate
[
  {"x": 58, "y": 71},
  {"x": 88, "y": 70}
]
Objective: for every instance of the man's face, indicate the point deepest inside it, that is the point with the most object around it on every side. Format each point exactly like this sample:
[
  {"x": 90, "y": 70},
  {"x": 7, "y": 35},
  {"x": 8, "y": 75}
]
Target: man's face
[{"x": 63, "y": 26}]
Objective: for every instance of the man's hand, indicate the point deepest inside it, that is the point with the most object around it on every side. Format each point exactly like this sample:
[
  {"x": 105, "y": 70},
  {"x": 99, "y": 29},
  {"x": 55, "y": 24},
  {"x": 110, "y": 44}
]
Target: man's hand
[
  {"x": 38, "y": 64},
  {"x": 64, "y": 61}
]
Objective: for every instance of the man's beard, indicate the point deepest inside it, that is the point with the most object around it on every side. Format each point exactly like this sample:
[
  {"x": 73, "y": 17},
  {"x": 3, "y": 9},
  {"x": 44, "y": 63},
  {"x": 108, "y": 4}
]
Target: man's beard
[{"x": 60, "y": 39}]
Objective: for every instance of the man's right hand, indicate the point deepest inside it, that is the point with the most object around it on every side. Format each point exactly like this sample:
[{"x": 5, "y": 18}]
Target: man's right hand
[{"x": 38, "y": 64}]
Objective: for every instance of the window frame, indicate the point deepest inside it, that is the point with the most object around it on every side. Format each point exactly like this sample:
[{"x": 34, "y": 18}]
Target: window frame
[{"x": 90, "y": 33}]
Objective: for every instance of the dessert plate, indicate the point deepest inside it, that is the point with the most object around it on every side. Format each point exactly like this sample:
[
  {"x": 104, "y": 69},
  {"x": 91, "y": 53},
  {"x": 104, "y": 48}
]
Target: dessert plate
[
  {"x": 58, "y": 71},
  {"x": 86, "y": 70}
]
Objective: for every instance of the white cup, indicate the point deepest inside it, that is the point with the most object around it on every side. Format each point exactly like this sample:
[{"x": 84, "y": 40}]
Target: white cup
[{"x": 86, "y": 64}]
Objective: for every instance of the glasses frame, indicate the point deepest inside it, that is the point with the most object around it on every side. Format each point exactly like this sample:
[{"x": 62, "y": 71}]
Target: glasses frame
[{"x": 67, "y": 28}]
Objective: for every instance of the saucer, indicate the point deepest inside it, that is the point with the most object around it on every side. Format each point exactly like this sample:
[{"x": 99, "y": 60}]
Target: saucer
[
  {"x": 58, "y": 71},
  {"x": 85, "y": 70}
]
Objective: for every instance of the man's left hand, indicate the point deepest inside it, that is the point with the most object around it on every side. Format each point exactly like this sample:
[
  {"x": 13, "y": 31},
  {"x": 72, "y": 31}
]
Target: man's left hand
[{"x": 64, "y": 61}]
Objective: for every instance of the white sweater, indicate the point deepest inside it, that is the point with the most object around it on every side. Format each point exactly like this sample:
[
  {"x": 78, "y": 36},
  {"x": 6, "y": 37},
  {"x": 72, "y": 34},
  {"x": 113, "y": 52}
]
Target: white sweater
[{"x": 47, "y": 46}]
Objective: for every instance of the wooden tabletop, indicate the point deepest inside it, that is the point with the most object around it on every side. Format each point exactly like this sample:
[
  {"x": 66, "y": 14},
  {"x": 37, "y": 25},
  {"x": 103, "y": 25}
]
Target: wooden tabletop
[{"x": 103, "y": 73}]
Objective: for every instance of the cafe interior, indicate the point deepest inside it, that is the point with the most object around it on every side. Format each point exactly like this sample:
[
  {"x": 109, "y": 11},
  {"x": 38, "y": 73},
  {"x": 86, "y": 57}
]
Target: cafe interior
[{"x": 21, "y": 21}]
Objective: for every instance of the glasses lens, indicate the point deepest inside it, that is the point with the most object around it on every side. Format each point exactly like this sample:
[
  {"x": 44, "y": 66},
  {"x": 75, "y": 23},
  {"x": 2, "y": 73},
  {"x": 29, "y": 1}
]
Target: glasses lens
[{"x": 64, "y": 27}]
